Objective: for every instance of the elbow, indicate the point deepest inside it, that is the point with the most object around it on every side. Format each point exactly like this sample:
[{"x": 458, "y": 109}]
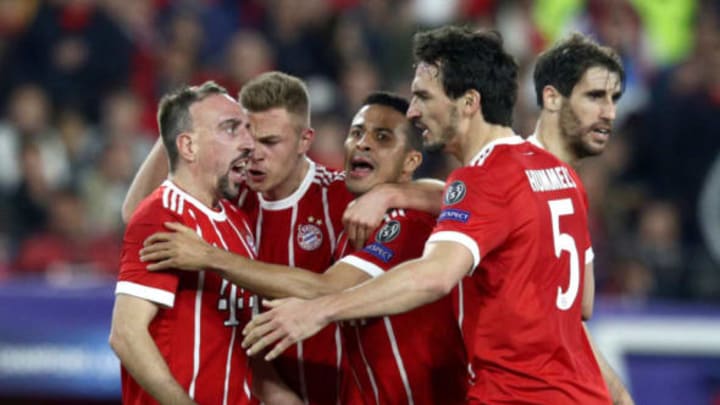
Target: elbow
[
  {"x": 435, "y": 288},
  {"x": 119, "y": 340}
]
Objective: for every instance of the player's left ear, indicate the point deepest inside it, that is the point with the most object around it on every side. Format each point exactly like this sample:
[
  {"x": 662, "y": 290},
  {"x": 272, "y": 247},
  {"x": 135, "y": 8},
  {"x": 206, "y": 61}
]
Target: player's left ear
[
  {"x": 470, "y": 101},
  {"x": 306, "y": 137},
  {"x": 413, "y": 160}
]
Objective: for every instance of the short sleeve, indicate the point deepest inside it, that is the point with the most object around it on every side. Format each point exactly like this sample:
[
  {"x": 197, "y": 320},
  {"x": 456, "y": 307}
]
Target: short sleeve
[
  {"x": 474, "y": 212},
  {"x": 135, "y": 279},
  {"x": 397, "y": 240}
]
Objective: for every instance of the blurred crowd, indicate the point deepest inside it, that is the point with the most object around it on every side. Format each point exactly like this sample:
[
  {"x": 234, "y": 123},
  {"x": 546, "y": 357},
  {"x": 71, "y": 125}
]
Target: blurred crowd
[{"x": 80, "y": 80}]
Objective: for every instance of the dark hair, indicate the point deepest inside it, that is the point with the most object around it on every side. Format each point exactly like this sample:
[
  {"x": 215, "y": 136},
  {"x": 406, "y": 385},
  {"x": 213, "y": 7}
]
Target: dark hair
[
  {"x": 476, "y": 60},
  {"x": 174, "y": 114},
  {"x": 563, "y": 65},
  {"x": 400, "y": 104},
  {"x": 277, "y": 90}
]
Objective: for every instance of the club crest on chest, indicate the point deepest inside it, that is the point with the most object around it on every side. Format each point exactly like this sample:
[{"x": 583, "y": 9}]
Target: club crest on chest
[{"x": 309, "y": 235}]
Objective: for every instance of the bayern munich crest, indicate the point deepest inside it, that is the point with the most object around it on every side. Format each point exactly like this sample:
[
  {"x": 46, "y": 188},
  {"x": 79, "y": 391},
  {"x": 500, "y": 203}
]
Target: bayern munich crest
[
  {"x": 455, "y": 193},
  {"x": 309, "y": 236}
]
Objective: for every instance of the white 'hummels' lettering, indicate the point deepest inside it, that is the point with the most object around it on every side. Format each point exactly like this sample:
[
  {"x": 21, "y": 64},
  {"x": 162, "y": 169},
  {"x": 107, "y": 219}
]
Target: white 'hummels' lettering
[{"x": 554, "y": 178}]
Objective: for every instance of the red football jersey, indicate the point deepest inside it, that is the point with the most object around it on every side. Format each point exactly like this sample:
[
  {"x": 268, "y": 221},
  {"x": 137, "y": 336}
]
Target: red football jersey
[
  {"x": 301, "y": 231},
  {"x": 196, "y": 328},
  {"x": 458, "y": 292},
  {"x": 413, "y": 358},
  {"x": 519, "y": 209}
]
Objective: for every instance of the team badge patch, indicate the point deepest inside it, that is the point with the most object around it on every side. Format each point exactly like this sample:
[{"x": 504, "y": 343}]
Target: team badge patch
[
  {"x": 380, "y": 251},
  {"x": 451, "y": 214},
  {"x": 309, "y": 237},
  {"x": 455, "y": 193},
  {"x": 388, "y": 232}
]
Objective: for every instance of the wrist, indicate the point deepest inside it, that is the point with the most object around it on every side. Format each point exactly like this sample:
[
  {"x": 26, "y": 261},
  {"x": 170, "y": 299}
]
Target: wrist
[
  {"x": 390, "y": 194},
  {"x": 327, "y": 309}
]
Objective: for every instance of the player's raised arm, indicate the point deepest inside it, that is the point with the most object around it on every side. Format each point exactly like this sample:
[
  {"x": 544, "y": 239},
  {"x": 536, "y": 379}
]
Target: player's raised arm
[
  {"x": 405, "y": 287},
  {"x": 131, "y": 341},
  {"x": 151, "y": 173},
  {"x": 366, "y": 212}
]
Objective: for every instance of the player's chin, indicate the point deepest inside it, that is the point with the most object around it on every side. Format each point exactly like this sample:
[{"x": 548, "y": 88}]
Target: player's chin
[
  {"x": 595, "y": 147},
  {"x": 229, "y": 189},
  {"x": 358, "y": 186}
]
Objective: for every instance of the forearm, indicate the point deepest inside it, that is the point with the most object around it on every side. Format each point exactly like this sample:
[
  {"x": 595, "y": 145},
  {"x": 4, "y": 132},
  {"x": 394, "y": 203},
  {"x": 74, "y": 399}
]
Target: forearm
[
  {"x": 422, "y": 195},
  {"x": 406, "y": 287},
  {"x": 618, "y": 392},
  {"x": 269, "y": 280},
  {"x": 140, "y": 356},
  {"x": 150, "y": 175}
]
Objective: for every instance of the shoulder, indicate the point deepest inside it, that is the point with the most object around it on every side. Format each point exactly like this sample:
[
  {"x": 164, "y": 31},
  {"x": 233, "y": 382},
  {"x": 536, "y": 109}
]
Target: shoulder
[
  {"x": 328, "y": 177},
  {"x": 333, "y": 182},
  {"x": 418, "y": 223},
  {"x": 162, "y": 204},
  {"x": 234, "y": 213},
  {"x": 409, "y": 215}
]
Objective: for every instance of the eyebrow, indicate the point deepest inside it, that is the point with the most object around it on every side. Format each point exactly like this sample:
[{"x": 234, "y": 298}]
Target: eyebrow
[
  {"x": 234, "y": 122},
  {"x": 421, "y": 93},
  {"x": 267, "y": 137}
]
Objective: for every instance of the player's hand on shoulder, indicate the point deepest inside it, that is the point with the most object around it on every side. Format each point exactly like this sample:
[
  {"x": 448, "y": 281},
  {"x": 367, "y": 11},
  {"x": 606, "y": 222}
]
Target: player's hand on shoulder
[
  {"x": 365, "y": 213},
  {"x": 180, "y": 249}
]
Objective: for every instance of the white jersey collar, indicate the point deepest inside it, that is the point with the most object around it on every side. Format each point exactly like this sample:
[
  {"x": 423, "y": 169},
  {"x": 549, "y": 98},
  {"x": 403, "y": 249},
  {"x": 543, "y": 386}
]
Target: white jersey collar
[
  {"x": 480, "y": 157},
  {"x": 533, "y": 139},
  {"x": 218, "y": 215}
]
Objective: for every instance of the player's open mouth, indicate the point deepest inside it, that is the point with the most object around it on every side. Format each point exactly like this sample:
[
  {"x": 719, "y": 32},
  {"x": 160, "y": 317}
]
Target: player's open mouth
[
  {"x": 237, "y": 169},
  {"x": 419, "y": 125},
  {"x": 255, "y": 175},
  {"x": 601, "y": 132},
  {"x": 360, "y": 167}
]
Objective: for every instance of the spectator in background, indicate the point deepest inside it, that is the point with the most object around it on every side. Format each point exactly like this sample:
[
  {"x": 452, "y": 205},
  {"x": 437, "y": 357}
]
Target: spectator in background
[
  {"x": 67, "y": 49},
  {"x": 658, "y": 244},
  {"x": 247, "y": 55},
  {"x": 121, "y": 121},
  {"x": 104, "y": 187},
  {"x": 29, "y": 203},
  {"x": 67, "y": 245},
  {"x": 80, "y": 139},
  {"x": 302, "y": 37},
  {"x": 28, "y": 120}
]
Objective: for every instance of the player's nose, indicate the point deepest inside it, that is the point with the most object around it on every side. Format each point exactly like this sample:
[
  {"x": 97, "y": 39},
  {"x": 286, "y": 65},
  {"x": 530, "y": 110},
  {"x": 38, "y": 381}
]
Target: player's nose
[
  {"x": 609, "y": 111},
  {"x": 413, "y": 111}
]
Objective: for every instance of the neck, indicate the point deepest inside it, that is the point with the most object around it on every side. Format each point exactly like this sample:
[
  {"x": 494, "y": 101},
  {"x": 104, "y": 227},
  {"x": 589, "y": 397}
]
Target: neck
[
  {"x": 291, "y": 184},
  {"x": 193, "y": 184},
  {"x": 479, "y": 134},
  {"x": 549, "y": 135}
]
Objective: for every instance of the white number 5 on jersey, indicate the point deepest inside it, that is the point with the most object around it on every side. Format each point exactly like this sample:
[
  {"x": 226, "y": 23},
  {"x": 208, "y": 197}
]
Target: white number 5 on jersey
[{"x": 565, "y": 242}]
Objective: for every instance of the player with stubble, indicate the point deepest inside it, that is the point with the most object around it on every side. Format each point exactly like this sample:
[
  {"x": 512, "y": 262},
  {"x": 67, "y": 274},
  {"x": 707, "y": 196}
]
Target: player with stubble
[
  {"x": 513, "y": 221},
  {"x": 176, "y": 334},
  {"x": 577, "y": 85},
  {"x": 296, "y": 210},
  {"x": 400, "y": 359}
]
